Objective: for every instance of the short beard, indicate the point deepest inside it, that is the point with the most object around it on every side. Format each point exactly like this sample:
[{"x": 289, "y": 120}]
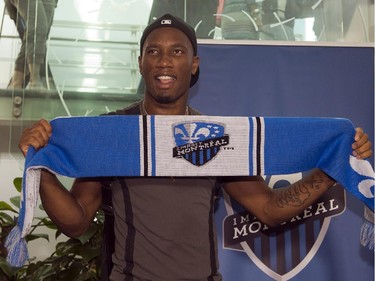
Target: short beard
[{"x": 165, "y": 100}]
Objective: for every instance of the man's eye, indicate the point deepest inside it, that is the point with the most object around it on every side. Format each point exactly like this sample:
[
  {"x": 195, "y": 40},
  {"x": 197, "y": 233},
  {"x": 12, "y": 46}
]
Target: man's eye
[
  {"x": 178, "y": 51},
  {"x": 152, "y": 51}
]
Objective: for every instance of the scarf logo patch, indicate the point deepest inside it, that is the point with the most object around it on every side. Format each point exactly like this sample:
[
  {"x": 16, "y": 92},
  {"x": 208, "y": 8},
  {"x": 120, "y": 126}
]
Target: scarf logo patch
[{"x": 198, "y": 142}]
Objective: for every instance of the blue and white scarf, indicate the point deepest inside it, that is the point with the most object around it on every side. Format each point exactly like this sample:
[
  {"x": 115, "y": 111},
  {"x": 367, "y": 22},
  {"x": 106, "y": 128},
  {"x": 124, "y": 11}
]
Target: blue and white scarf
[{"x": 190, "y": 146}]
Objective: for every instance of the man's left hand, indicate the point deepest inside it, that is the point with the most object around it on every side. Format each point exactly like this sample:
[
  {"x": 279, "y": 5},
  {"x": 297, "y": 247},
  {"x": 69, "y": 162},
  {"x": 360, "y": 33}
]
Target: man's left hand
[{"x": 362, "y": 147}]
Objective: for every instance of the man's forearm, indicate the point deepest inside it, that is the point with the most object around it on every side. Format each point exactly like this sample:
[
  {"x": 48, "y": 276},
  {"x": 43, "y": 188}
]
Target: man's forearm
[
  {"x": 63, "y": 209},
  {"x": 304, "y": 192},
  {"x": 295, "y": 198}
]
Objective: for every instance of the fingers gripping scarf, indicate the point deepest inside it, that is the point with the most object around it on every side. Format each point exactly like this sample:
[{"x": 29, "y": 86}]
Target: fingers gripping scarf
[{"x": 192, "y": 146}]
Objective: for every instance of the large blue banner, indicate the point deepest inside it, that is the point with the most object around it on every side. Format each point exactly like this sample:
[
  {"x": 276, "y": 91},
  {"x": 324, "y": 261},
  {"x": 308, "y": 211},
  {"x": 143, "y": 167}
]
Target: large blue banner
[{"x": 322, "y": 243}]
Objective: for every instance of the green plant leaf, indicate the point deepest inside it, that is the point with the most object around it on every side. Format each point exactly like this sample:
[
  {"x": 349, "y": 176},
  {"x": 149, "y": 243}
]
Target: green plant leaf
[
  {"x": 39, "y": 271},
  {"x": 7, "y": 220},
  {"x": 70, "y": 246},
  {"x": 43, "y": 221},
  {"x": 100, "y": 217},
  {"x": 16, "y": 200},
  {"x": 72, "y": 273},
  {"x": 32, "y": 237},
  {"x": 49, "y": 224},
  {"x": 61, "y": 262},
  {"x": 57, "y": 234},
  {"x": 17, "y": 182},
  {"x": 89, "y": 274},
  {"x": 88, "y": 234},
  {"x": 88, "y": 252},
  {"x": 4, "y": 206},
  {"x": 21, "y": 272},
  {"x": 5, "y": 267}
]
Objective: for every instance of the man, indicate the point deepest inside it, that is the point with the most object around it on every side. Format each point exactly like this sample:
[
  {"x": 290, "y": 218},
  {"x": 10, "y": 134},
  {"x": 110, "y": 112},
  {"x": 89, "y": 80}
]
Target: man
[
  {"x": 164, "y": 226},
  {"x": 197, "y": 13},
  {"x": 37, "y": 17}
]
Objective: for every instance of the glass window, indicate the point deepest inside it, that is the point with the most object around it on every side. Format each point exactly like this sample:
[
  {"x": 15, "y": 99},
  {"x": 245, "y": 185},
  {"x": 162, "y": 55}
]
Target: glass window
[{"x": 74, "y": 57}]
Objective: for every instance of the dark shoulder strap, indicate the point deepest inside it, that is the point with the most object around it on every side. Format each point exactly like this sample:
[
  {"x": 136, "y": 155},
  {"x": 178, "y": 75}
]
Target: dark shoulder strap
[{"x": 193, "y": 111}]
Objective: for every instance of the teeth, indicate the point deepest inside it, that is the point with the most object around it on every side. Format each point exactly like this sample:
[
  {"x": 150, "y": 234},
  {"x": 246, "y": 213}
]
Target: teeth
[{"x": 165, "y": 78}]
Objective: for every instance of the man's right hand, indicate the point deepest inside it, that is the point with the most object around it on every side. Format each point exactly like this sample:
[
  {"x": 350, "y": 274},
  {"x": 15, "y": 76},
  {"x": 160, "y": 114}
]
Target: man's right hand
[{"x": 36, "y": 136}]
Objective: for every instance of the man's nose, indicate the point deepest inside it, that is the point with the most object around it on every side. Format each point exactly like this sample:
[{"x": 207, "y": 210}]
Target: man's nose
[{"x": 165, "y": 60}]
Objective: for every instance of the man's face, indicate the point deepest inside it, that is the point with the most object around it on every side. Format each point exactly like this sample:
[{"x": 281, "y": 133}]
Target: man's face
[{"x": 166, "y": 64}]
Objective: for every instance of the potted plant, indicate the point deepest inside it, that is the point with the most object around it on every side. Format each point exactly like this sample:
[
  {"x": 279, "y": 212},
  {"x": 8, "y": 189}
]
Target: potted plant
[{"x": 73, "y": 259}]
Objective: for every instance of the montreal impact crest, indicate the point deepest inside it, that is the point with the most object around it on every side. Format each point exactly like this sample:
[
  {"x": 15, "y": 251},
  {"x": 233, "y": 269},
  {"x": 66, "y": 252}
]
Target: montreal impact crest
[{"x": 198, "y": 142}]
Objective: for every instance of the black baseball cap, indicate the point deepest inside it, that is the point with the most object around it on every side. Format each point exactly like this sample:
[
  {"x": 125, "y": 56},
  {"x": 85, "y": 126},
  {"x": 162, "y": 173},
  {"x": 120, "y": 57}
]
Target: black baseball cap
[{"x": 169, "y": 20}]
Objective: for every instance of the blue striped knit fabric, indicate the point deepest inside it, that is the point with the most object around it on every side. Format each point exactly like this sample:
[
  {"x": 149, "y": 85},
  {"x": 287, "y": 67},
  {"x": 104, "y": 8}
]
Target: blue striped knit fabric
[{"x": 191, "y": 146}]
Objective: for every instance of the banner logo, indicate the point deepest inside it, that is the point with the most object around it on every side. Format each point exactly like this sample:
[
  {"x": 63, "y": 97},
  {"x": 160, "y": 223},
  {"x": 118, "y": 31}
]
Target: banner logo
[
  {"x": 198, "y": 142},
  {"x": 282, "y": 252}
]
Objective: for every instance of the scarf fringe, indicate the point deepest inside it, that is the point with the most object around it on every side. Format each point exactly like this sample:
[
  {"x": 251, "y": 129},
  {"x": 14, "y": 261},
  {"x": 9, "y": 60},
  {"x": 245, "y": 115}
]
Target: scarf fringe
[
  {"x": 367, "y": 230},
  {"x": 367, "y": 235},
  {"x": 17, "y": 248}
]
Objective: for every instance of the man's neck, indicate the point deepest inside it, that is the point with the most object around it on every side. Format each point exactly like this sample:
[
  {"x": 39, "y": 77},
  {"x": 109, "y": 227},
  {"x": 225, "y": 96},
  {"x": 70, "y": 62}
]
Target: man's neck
[{"x": 164, "y": 109}]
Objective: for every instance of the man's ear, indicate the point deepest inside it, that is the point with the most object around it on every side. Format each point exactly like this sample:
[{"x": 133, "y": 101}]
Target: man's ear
[
  {"x": 195, "y": 65},
  {"x": 140, "y": 65}
]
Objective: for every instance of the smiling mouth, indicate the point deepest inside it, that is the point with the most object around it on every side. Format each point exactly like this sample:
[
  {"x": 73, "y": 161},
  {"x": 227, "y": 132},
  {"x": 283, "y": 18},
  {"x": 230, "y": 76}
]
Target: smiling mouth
[{"x": 165, "y": 78}]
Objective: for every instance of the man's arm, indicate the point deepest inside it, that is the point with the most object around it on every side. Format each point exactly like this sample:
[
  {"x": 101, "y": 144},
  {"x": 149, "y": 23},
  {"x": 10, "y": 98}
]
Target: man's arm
[
  {"x": 72, "y": 211},
  {"x": 275, "y": 206}
]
